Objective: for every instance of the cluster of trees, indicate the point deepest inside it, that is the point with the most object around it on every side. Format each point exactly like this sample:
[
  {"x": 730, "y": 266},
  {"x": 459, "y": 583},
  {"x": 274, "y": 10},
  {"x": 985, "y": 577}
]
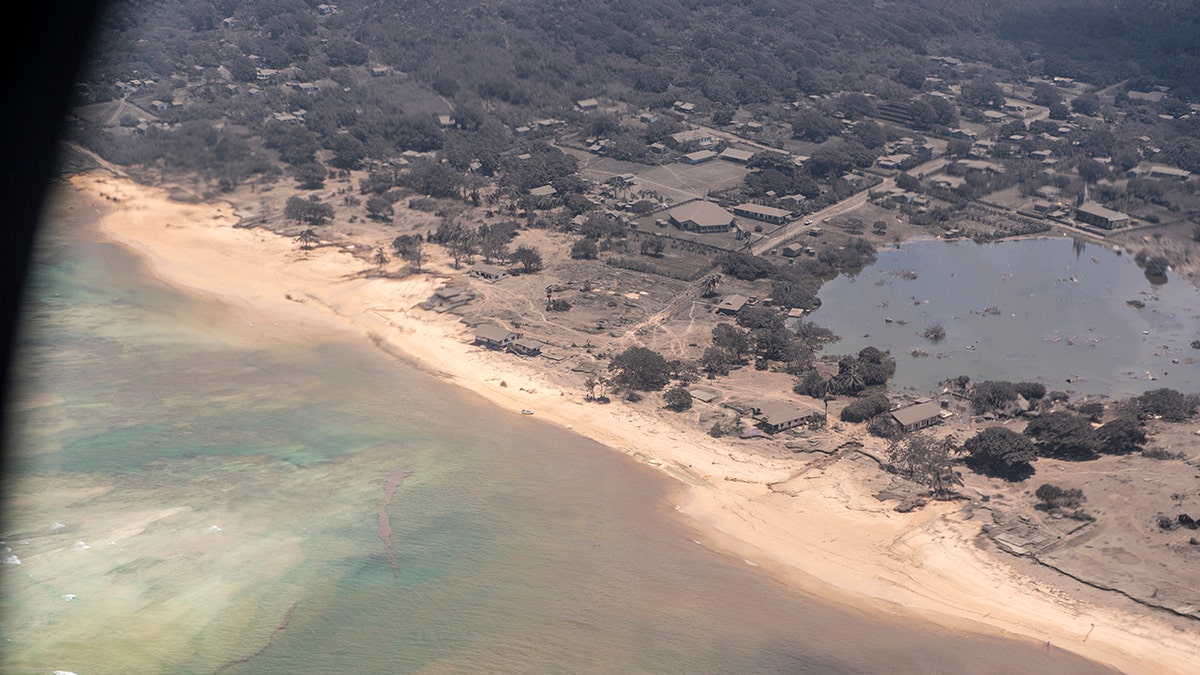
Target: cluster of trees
[
  {"x": 869, "y": 368},
  {"x": 996, "y": 395}
]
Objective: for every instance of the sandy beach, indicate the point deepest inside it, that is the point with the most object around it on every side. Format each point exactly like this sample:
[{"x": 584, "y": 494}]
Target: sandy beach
[{"x": 821, "y": 530}]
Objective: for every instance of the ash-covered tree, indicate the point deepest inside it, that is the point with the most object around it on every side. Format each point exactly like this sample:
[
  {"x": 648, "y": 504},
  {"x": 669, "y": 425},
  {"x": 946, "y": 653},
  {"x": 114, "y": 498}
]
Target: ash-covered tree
[
  {"x": 529, "y": 258},
  {"x": 864, "y": 409},
  {"x": 1120, "y": 436},
  {"x": 1167, "y": 403},
  {"x": 927, "y": 461},
  {"x": 411, "y": 247},
  {"x": 812, "y": 384},
  {"x": 310, "y": 176},
  {"x": 640, "y": 369},
  {"x": 992, "y": 395},
  {"x": 652, "y": 247},
  {"x": 379, "y": 208},
  {"x": 381, "y": 258},
  {"x": 312, "y": 210},
  {"x": 733, "y": 341},
  {"x": 1001, "y": 453},
  {"x": 714, "y": 362},
  {"x": 308, "y": 239},
  {"x": 677, "y": 399},
  {"x": 708, "y": 285},
  {"x": 585, "y": 249},
  {"x": 1063, "y": 435}
]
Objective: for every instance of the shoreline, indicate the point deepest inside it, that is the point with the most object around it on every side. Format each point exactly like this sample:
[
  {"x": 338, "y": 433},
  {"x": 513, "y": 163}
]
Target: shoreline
[{"x": 822, "y": 533}]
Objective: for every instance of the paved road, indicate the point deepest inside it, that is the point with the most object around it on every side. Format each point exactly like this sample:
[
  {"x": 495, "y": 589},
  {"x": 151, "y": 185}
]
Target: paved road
[{"x": 794, "y": 228}]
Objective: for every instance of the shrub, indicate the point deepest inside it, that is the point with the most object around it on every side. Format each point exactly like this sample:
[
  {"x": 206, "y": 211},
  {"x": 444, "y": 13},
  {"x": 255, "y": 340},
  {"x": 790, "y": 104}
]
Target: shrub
[
  {"x": 677, "y": 399},
  {"x": 1002, "y": 453},
  {"x": 865, "y": 408},
  {"x": 1032, "y": 391},
  {"x": 1169, "y": 404}
]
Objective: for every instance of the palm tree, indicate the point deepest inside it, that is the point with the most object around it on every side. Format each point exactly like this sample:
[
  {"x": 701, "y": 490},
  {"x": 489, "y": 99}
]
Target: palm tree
[
  {"x": 381, "y": 258},
  {"x": 308, "y": 239}
]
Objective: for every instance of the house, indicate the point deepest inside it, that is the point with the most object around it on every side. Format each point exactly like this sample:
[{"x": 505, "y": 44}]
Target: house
[
  {"x": 684, "y": 107},
  {"x": 588, "y": 104},
  {"x": 445, "y": 121},
  {"x": 381, "y": 71},
  {"x": 1048, "y": 192},
  {"x": 526, "y": 347},
  {"x": 543, "y": 191},
  {"x": 777, "y": 416},
  {"x": 732, "y": 304},
  {"x": 793, "y": 201},
  {"x": 703, "y": 395},
  {"x": 792, "y": 250},
  {"x": 495, "y": 337},
  {"x": 895, "y": 161},
  {"x": 1104, "y": 218},
  {"x": 965, "y": 134},
  {"x": 701, "y": 216},
  {"x": 919, "y": 416},
  {"x": 489, "y": 273},
  {"x": 733, "y": 155},
  {"x": 764, "y": 213},
  {"x": 947, "y": 182},
  {"x": 979, "y": 166},
  {"x": 698, "y": 157},
  {"x": 691, "y": 138}
]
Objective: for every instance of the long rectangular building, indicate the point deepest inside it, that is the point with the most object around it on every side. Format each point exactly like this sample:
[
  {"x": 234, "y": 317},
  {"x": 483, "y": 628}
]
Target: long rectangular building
[
  {"x": 1095, "y": 214},
  {"x": 763, "y": 213}
]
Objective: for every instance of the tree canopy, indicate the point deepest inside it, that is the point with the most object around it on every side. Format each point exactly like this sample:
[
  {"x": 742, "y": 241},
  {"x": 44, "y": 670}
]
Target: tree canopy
[
  {"x": 1001, "y": 452},
  {"x": 641, "y": 369}
]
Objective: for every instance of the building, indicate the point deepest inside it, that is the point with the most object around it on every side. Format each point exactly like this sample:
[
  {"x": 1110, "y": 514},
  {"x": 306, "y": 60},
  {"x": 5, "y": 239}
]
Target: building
[
  {"x": 495, "y": 337},
  {"x": 793, "y": 201},
  {"x": 895, "y": 161},
  {"x": 1104, "y": 218},
  {"x": 489, "y": 273},
  {"x": 702, "y": 217},
  {"x": 588, "y": 104},
  {"x": 764, "y": 213},
  {"x": 698, "y": 157},
  {"x": 1048, "y": 192},
  {"x": 732, "y": 304},
  {"x": 777, "y": 416},
  {"x": 919, "y": 416},
  {"x": 1159, "y": 171},
  {"x": 691, "y": 138},
  {"x": 739, "y": 156},
  {"x": 543, "y": 191},
  {"x": 526, "y": 347}
]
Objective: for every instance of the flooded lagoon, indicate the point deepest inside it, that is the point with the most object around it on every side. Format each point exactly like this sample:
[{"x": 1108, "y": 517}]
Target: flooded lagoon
[{"x": 1057, "y": 311}]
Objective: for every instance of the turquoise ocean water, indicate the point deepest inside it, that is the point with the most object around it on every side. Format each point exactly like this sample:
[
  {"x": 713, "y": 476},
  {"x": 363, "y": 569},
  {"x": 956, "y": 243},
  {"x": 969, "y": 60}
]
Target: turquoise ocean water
[{"x": 191, "y": 494}]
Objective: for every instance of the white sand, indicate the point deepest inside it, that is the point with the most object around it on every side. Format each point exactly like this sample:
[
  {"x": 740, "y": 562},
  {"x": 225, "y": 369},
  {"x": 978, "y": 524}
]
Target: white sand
[{"x": 826, "y": 535}]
